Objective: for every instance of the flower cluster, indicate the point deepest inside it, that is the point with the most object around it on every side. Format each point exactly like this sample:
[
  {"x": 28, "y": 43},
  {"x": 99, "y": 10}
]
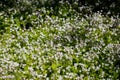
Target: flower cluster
[{"x": 79, "y": 48}]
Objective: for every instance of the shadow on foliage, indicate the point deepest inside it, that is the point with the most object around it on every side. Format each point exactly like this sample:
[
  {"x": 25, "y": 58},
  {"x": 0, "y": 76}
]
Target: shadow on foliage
[{"x": 109, "y": 7}]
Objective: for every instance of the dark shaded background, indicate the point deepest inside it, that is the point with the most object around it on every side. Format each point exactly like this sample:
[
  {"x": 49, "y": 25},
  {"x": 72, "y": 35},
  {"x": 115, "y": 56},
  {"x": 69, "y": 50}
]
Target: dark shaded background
[{"x": 109, "y": 7}]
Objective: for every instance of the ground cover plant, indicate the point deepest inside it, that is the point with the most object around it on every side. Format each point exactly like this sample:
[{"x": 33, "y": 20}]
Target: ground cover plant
[{"x": 65, "y": 45}]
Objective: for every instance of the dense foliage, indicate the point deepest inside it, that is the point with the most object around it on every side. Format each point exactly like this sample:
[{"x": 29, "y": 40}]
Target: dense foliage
[
  {"x": 39, "y": 42},
  {"x": 110, "y": 7}
]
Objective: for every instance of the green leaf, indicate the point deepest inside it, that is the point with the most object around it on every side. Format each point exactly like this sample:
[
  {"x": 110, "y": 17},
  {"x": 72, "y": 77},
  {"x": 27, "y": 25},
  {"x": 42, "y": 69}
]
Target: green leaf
[{"x": 54, "y": 66}]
